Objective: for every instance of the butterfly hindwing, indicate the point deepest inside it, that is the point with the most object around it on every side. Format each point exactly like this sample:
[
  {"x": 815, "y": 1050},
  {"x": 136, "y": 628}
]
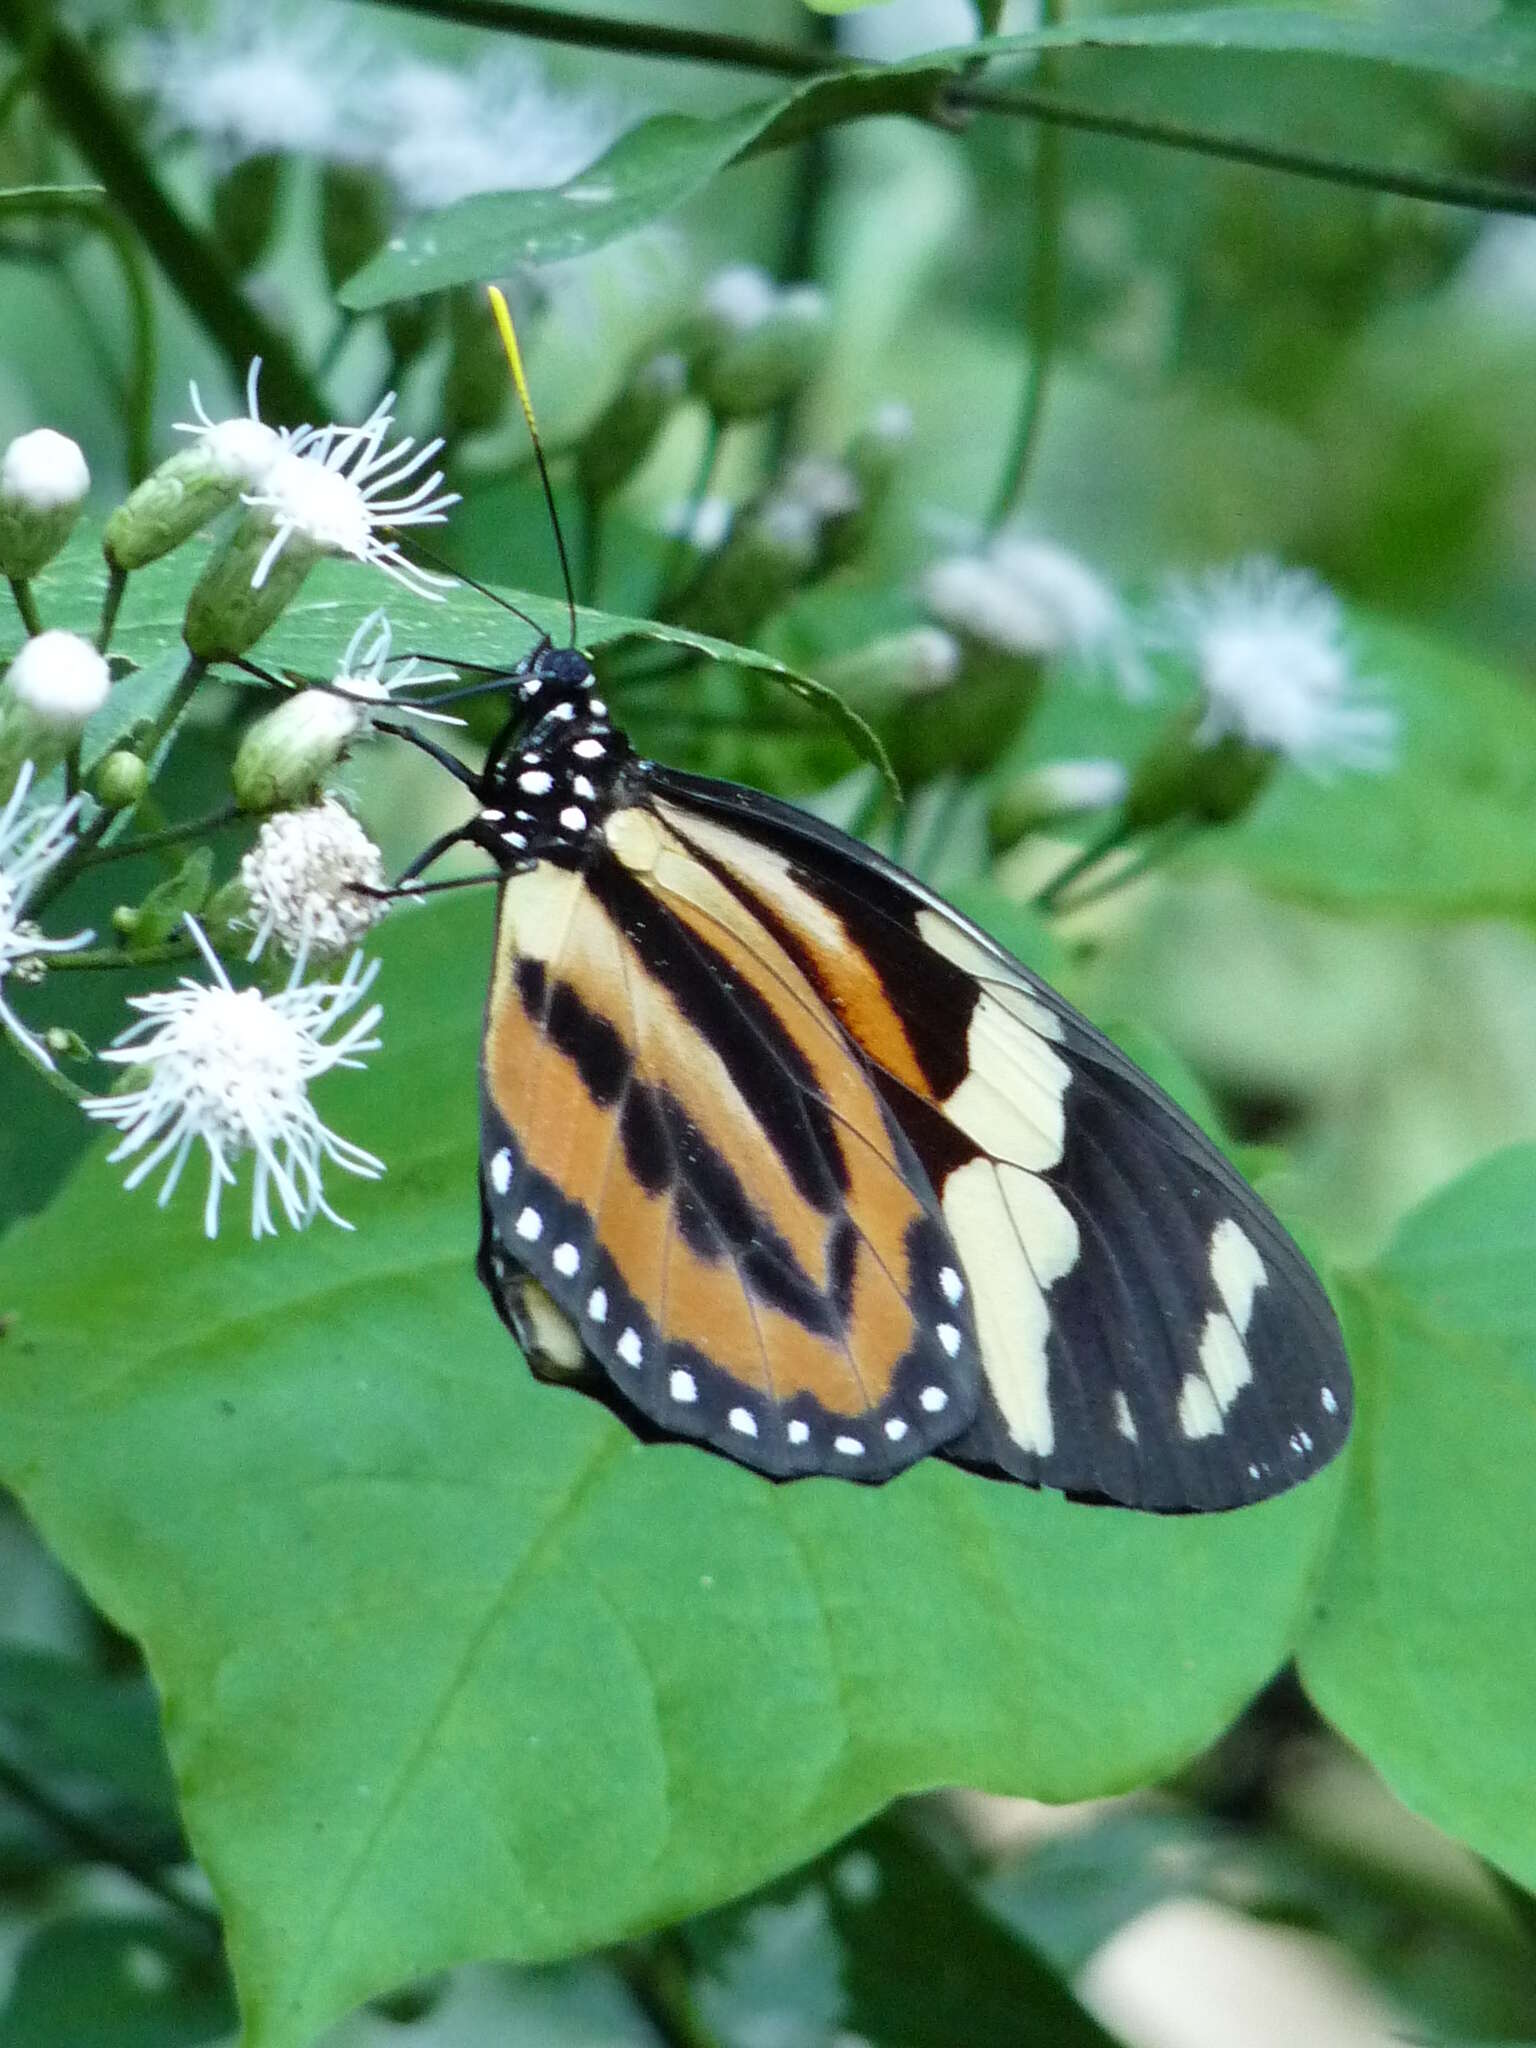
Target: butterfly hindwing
[
  {"x": 681, "y": 1147},
  {"x": 1148, "y": 1332}
]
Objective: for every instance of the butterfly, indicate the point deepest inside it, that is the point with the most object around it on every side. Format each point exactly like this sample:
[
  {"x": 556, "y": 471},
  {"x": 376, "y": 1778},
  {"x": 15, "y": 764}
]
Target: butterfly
[{"x": 783, "y": 1157}]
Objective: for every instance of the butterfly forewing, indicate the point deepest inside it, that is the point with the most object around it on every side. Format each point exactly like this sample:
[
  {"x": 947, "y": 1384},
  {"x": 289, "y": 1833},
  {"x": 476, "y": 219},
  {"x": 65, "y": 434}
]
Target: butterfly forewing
[
  {"x": 683, "y": 1147},
  {"x": 1148, "y": 1333}
]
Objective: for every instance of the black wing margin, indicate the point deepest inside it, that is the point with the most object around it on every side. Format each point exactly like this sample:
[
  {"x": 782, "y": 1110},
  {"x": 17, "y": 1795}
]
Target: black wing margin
[{"x": 1150, "y": 1334}]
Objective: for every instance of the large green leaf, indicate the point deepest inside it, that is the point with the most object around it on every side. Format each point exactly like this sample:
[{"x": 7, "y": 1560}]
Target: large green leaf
[
  {"x": 1423, "y": 1650},
  {"x": 114, "y": 1984},
  {"x": 313, "y": 632},
  {"x": 665, "y": 161},
  {"x": 452, "y": 1666}
]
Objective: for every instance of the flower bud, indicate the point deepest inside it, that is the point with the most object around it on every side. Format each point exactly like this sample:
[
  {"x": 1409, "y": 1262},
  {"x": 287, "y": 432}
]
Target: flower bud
[
  {"x": 282, "y": 758},
  {"x": 830, "y": 491},
  {"x": 56, "y": 684},
  {"x": 772, "y": 548},
  {"x": 1184, "y": 777},
  {"x": 189, "y": 489},
  {"x": 625, "y": 431},
  {"x": 245, "y": 209},
  {"x": 897, "y": 665},
  {"x": 120, "y": 779},
  {"x": 162, "y": 912},
  {"x": 873, "y": 458},
  {"x": 43, "y": 482},
  {"x": 734, "y": 300},
  {"x": 226, "y": 615},
  {"x": 1054, "y": 791},
  {"x": 759, "y": 368}
]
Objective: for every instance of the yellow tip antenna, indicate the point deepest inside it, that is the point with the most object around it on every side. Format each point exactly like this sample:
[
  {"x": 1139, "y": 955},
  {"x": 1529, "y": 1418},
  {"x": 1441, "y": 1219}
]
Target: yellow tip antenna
[{"x": 503, "y": 316}]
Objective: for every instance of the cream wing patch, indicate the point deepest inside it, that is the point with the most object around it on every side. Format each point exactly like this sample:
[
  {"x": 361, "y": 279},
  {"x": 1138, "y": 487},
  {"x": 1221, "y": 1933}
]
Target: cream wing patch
[
  {"x": 1019, "y": 1239},
  {"x": 1237, "y": 1272}
]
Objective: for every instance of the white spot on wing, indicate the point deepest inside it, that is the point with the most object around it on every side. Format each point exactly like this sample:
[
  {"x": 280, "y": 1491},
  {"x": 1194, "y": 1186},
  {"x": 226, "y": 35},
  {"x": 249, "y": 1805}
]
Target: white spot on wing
[
  {"x": 798, "y": 1432},
  {"x": 951, "y": 1286},
  {"x": 631, "y": 1351},
  {"x": 1125, "y": 1421},
  {"x": 501, "y": 1171},
  {"x": 933, "y": 1399},
  {"x": 1330, "y": 1401},
  {"x": 949, "y": 1337},
  {"x": 895, "y": 1429},
  {"x": 597, "y": 1304},
  {"x": 530, "y": 1225},
  {"x": 565, "y": 1259},
  {"x": 743, "y": 1421},
  {"x": 1223, "y": 1360},
  {"x": 1237, "y": 1270},
  {"x": 849, "y": 1446},
  {"x": 574, "y": 818},
  {"x": 536, "y": 782},
  {"x": 1199, "y": 1415},
  {"x": 683, "y": 1386}
]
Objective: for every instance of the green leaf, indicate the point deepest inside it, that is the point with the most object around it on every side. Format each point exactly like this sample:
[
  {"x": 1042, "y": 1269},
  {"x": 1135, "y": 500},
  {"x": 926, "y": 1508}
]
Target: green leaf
[
  {"x": 74, "y": 1728},
  {"x": 1446, "y": 834},
  {"x": 1422, "y": 1651},
  {"x": 452, "y": 1665},
  {"x": 168, "y": 902},
  {"x": 313, "y": 632},
  {"x": 668, "y": 159},
  {"x": 882, "y": 1942},
  {"x": 114, "y": 1984}
]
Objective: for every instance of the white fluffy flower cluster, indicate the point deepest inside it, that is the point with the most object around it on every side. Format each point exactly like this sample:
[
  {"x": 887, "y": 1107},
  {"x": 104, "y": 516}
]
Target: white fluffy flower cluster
[
  {"x": 311, "y": 881},
  {"x": 33, "y": 840},
  {"x": 230, "y": 1069}
]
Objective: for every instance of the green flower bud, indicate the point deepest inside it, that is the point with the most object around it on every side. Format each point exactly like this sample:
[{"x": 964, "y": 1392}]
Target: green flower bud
[
  {"x": 226, "y": 612},
  {"x": 173, "y": 502},
  {"x": 625, "y": 431},
  {"x": 356, "y": 214},
  {"x": 766, "y": 363},
  {"x": 160, "y": 915},
  {"x": 1183, "y": 777},
  {"x": 282, "y": 759},
  {"x": 54, "y": 687},
  {"x": 120, "y": 779},
  {"x": 245, "y": 209},
  {"x": 771, "y": 549},
  {"x": 907, "y": 664},
  {"x": 873, "y": 458},
  {"x": 43, "y": 482},
  {"x": 1055, "y": 791}
]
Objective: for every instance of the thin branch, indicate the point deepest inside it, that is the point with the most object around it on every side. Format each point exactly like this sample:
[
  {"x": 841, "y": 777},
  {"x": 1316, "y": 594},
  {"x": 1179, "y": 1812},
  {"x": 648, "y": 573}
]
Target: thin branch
[
  {"x": 785, "y": 60},
  {"x": 657, "y": 1974},
  {"x": 171, "y": 835},
  {"x": 1044, "y": 299},
  {"x": 92, "y": 119},
  {"x": 61, "y": 1084},
  {"x": 21, "y": 591}
]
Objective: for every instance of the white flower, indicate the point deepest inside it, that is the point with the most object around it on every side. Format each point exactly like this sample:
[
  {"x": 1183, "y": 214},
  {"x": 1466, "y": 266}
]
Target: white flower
[
  {"x": 340, "y": 489},
  {"x": 32, "y": 843},
  {"x": 444, "y": 135},
  {"x": 1269, "y": 650},
  {"x": 705, "y": 525},
  {"x": 44, "y": 471},
  {"x": 244, "y": 448},
  {"x": 60, "y": 681},
  {"x": 305, "y": 877},
  {"x": 262, "y": 78},
  {"x": 740, "y": 297},
  {"x": 1027, "y": 596},
  {"x": 826, "y": 487},
  {"x": 360, "y": 675},
  {"x": 230, "y": 1069}
]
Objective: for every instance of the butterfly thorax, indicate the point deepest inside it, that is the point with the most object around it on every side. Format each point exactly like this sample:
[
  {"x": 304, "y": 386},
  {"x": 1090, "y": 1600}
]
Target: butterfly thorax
[{"x": 552, "y": 781}]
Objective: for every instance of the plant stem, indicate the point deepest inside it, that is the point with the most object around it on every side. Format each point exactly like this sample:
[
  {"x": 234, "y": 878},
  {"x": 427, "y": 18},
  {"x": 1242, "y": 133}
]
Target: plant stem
[
  {"x": 26, "y": 604},
  {"x": 1114, "y": 836},
  {"x": 786, "y": 60},
  {"x": 71, "y": 1091},
  {"x": 95, "y": 124},
  {"x": 172, "y": 835},
  {"x": 1044, "y": 299},
  {"x": 657, "y": 1975},
  {"x": 115, "y": 959},
  {"x": 100, "y": 1847},
  {"x": 111, "y": 603},
  {"x": 177, "y": 702}
]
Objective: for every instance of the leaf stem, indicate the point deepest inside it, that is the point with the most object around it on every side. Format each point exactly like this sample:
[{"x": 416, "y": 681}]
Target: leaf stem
[
  {"x": 171, "y": 835},
  {"x": 71, "y": 1091},
  {"x": 26, "y": 604},
  {"x": 786, "y": 60},
  {"x": 1048, "y": 897},
  {"x": 111, "y": 604},
  {"x": 100, "y": 1847},
  {"x": 1044, "y": 299},
  {"x": 96, "y": 126}
]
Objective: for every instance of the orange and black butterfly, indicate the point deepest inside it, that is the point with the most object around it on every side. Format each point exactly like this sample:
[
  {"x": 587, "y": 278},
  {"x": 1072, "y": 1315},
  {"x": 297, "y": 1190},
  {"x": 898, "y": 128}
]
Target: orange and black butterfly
[{"x": 782, "y": 1156}]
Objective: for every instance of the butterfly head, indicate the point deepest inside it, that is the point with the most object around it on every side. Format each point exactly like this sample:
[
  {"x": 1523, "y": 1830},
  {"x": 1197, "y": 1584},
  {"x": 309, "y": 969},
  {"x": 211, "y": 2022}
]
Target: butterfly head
[{"x": 552, "y": 780}]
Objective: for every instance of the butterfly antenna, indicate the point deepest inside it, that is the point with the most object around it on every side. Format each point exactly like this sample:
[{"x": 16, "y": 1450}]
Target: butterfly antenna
[
  {"x": 508, "y": 333},
  {"x": 448, "y": 568}
]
